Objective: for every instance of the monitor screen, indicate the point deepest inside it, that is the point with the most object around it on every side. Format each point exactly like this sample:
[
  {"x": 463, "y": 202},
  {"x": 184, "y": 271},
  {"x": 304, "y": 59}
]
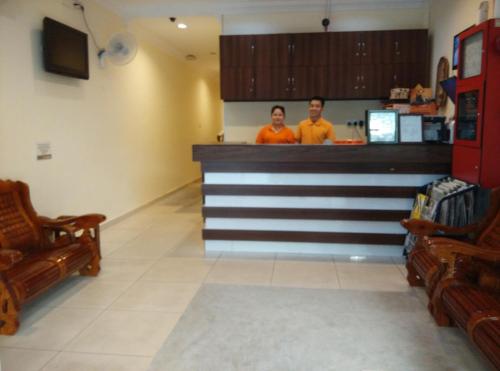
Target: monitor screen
[
  {"x": 456, "y": 43},
  {"x": 65, "y": 50},
  {"x": 382, "y": 126}
]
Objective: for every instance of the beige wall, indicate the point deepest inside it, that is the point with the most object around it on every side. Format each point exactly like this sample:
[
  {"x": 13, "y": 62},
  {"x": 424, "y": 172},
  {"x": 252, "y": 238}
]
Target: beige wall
[
  {"x": 119, "y": 140},
  {"x": 242, "y": 120},
  {"x": 446, "y": 19}
]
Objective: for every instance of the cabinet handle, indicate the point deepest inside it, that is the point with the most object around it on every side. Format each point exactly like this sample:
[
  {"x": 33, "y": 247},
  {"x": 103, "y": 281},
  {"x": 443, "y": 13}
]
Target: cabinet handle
[
  {"x": 289, "y": 48},
  {"x": 293, "y": 81},
  {"x": 362, "y": 78},
  {"x": 356, "y": 87},
  {"x": 357, "y": 78},
  {"x": 252, "y": 48},
  {"x": 364, "y": 49},
  {"x": 359, "y": 49},
  {"x": 476, "y": 167},
  {"x": 363, "y": 87},
  {"x": 293, "y": 49},
  {"x": 395, "y": 77}
]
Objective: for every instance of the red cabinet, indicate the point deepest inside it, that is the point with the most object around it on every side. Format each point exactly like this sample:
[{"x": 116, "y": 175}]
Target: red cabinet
[{"x": 476, "y": 150}]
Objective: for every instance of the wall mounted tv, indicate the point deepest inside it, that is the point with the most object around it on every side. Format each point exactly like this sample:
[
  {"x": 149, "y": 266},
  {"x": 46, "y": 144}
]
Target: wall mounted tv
[{"x": 65, "y": 50}]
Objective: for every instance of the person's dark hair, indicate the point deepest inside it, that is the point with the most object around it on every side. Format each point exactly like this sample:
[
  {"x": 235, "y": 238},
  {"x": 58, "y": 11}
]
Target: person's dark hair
[
  {"x": 278, "y": 107},
  {"x": 317, "y": 97}
]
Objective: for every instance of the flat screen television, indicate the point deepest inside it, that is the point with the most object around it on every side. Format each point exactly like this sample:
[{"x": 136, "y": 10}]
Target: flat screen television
[
  {"x": 65, "y": 50},
  {"x": 456, "y": 43}
]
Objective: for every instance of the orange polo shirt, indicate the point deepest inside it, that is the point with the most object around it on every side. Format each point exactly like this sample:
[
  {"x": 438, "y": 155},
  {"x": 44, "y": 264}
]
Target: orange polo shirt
[
  {"x": 267, "y": 135},
  {"x": 315, "y": 132}
]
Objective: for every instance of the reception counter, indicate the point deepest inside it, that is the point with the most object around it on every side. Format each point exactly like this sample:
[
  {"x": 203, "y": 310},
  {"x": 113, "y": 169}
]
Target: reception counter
[{"x": 313, "y": 199}]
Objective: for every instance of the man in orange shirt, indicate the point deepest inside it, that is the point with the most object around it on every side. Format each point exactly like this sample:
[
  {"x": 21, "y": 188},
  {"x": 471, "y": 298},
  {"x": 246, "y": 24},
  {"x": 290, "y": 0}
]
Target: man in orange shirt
[
  {"x": 315, "y": 130},
  {"x": 276, "y": 132}
]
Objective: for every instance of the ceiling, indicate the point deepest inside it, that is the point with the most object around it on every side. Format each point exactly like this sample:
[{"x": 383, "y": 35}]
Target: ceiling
[
  {"x": 203, "y": 18},
  {"x": 201, "y": 38}
]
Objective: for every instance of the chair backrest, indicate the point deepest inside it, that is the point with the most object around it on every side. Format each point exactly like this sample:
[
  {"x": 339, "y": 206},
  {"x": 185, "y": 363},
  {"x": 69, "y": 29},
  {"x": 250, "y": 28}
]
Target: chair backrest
[
  {"x": 19, "y": 228},
  {"x": 490, "y": 228}
]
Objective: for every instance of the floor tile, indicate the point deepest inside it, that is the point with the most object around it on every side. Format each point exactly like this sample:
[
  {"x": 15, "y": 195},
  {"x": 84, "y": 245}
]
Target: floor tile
[
  {"x": 180, "y": 270},
  {"x": 49, "y": 328},
  {"x": 371, "y": 276},
  {"x": 156, "y": 296},
  {"x": 123, "y": 269},
  {"x": 24, "y": 359},
  {"x": 125, "y": 333},
  {"x": 305, "y": 274},
  {"x": 240, "y": 271},
  {"x": 70, "y": 361}
]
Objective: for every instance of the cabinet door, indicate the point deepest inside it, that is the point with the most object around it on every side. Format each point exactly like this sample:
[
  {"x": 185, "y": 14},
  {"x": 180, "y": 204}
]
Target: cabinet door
[
  {"x": 237, "y": 51},
  {"x": 307, "y": 82},
  {"x": 345, "y": 48},
  {"x": 272, "y": 50},
  {"x": 370, "y": 46},
  {"x": 405, "y": 46},
  {"x": 237, "y": 83},
  {"x": 272, "y": 83},
  {"x": 309, "y": 49},
  {"x": 371, "y": 82},
  {"x": 338, "y": 80}
]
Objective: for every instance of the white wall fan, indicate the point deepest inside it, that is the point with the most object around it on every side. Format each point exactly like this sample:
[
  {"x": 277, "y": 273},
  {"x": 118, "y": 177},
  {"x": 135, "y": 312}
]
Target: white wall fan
[{"x": 121, "y": 49}]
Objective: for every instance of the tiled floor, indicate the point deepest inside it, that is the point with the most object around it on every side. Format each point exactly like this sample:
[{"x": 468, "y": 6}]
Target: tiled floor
[{"x": 153, "y": 264}]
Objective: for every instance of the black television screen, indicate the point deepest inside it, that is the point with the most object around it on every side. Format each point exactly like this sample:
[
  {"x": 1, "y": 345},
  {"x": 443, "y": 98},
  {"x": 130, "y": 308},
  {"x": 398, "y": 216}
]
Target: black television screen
[
  {"x": 65, "y": 50},
  {"x": 456, "y": 43}
]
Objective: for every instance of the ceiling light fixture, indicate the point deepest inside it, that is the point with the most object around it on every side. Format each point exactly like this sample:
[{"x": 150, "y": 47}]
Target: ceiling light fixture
[{"x": 182, "y": 26}]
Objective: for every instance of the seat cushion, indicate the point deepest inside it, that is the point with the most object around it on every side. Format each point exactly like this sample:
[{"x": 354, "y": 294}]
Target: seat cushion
[
  {"x": 487, "y": 337},
  {"x": 462, "y": 301},
  {"x": 41, "y": 269}
]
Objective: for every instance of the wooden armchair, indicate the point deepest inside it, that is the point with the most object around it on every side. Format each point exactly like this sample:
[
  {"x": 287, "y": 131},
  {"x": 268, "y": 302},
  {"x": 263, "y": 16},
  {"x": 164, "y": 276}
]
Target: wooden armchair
[
  {"x": 468, "y": 294},
  {"x": 425, "y": 269},
  {"x": 37, "y": 252}
]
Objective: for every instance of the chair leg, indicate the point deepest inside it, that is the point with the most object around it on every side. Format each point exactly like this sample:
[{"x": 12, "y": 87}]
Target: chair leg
[
  {"x": 9, "y": 312},
  {"x": 436, "y": 304},
  {"x": 412, "y": 277},
  {"x": 92, "y": 268}
]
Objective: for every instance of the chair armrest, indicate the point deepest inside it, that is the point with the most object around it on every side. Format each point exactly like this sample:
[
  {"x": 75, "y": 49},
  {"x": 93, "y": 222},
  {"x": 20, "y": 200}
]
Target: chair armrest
[
  {"x": 426, "y": 228},
  {"x": 9, "y": 257},
  {"x": 80, "y": 222},
  {"x": 72, "y": 224},
  {"x": 447, "y": 249}
]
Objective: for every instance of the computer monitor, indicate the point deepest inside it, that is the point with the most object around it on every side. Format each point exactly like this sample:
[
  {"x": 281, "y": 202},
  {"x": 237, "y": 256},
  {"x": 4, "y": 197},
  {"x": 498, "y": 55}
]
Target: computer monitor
[{"x": 382, "y": 126}]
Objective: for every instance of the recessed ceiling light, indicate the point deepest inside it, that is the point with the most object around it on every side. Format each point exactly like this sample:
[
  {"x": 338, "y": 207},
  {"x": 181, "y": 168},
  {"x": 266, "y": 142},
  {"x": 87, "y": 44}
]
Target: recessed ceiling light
[{"x": 182, "y": 26}]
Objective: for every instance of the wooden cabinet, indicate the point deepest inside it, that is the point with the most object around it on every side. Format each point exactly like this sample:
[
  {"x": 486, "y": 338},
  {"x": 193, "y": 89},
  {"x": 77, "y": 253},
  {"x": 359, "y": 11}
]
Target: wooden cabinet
[
  {"x": 238, "y": 83},
  {"x": 337, "y": 65},
  {"x": 237, "y": 51}
]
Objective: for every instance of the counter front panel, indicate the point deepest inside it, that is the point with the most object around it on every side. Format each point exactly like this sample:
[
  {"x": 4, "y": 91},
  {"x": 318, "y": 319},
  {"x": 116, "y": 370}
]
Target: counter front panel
[{"x": 313, "y": 199}]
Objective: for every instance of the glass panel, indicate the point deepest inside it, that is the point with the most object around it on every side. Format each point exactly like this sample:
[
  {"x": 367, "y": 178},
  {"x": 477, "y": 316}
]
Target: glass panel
[
  {"x": 467, "y": 115},
  {"x": 472, "y": 55}
]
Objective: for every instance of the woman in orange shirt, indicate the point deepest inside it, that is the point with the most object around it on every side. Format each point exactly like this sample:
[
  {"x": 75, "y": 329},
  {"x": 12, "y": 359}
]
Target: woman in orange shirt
[{"x": 276, "y": 132}]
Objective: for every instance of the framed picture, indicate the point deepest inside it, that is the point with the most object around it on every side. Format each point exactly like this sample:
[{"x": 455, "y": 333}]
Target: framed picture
[
  {"x": 382, "y": 126},
  {"x": 411, "y": 129}
]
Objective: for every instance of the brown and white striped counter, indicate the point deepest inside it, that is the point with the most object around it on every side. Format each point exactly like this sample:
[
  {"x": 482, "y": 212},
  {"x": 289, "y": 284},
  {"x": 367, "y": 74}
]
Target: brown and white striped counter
[{"x": 313, "y": 199}]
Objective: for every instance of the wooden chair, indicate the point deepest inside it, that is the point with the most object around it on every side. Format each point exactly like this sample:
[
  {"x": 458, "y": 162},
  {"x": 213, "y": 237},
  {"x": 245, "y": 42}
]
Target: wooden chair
[
  {"x": 425, "y": 269},
  {"x": 468, "y": 294},
  {"x": 37, "y": 252}
]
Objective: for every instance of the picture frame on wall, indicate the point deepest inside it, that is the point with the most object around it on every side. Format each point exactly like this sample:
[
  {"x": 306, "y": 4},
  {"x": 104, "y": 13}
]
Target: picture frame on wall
[
  {"x": 382, "y": 126},
  {"x": 411, "y": 128}
]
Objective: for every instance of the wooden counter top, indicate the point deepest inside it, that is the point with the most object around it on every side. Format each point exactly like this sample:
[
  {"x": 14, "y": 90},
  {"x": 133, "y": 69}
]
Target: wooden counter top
[{"x": 373, "y": 158}]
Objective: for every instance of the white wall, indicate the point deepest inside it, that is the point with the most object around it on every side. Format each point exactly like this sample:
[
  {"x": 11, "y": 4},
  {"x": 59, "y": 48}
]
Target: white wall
[
  {"x": 242, "y": 120},
  {"x": 447, "y": 18},
  {"x": 119, "y": 140}
]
